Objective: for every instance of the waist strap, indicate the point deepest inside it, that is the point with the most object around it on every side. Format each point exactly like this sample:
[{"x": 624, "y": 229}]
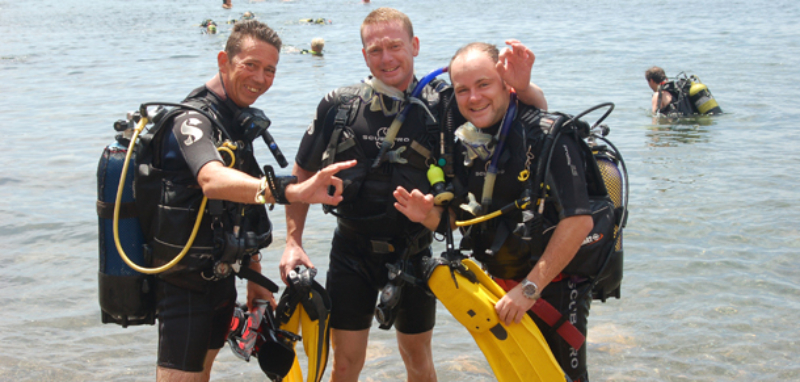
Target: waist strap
[
  {"x": 406, "y": 245},
  {"x": 550, "y": 315}
]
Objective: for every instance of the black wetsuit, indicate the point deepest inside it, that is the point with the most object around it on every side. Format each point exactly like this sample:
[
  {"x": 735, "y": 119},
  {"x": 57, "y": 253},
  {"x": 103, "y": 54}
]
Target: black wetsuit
[
  {"x": 194, "y": 308},
  {"x": 514, "y": 258},
  {"x": 370, "y": 233}
]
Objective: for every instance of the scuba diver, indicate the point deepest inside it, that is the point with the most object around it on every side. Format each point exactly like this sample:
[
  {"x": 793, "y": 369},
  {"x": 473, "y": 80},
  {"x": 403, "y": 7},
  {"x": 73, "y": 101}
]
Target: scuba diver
[
  {"x": 682, "y": 97},
  {"x": 318, "y": 21},
  {"x": 178, "y": 166},
  {"x": 317, "y": 45},
  {"x": 373, "y": 244},
  {"x": 210, "y": 26},
  {"x": 500, "y": 163}
]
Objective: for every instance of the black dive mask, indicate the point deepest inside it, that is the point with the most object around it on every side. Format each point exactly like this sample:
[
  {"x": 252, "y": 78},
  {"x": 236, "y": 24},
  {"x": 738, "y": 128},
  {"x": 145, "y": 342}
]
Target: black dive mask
[{"x": 253, "y": 122}]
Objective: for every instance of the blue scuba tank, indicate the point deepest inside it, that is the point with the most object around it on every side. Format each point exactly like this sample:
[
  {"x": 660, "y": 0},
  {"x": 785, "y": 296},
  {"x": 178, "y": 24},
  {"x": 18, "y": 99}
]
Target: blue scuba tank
[{"x": 126, "y": 296}]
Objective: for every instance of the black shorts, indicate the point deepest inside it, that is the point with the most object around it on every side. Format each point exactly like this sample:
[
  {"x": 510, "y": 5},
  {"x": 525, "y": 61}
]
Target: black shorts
[
  {"x": 567, "y": 296},
  {"x": 355, "y": 277},
  {"x": 190, "y": 323}
]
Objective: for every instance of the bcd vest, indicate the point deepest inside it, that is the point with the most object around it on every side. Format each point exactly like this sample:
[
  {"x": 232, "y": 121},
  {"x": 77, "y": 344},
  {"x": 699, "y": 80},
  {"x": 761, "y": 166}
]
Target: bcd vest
[
  {"x": 168, "y": 202},
  {"x": 680, "y": 104},
  {"x": 510, "y": 245},
  {"x": 367, "y": 192}
]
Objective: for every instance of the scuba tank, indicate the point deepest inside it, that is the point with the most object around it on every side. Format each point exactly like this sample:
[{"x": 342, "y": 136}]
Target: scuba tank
[
  {"x": 701, "y": 98},
  {"x": 609, "y": 279},
  {"x": 126, "y": 296}
]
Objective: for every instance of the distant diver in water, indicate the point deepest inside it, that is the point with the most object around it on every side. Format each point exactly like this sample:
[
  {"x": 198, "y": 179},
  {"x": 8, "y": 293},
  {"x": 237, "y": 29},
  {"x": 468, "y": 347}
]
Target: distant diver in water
[
  {"x": 318, "y": 21},
  {"x": 226, "y": 4},
  {"x": 316, "y": 47},
  {"x": 210, "y": 26},
  {"x": 684, "y": 96}
]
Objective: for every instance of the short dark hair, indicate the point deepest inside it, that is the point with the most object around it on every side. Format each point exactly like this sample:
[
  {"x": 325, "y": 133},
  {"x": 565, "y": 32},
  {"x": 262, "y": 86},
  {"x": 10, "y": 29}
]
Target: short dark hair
[
  {"x": 254, "y": 29},
  {"x": 385, "y": 15},
  {"x": 488, "y": 49},
  {"x": 656, "y": 74}
]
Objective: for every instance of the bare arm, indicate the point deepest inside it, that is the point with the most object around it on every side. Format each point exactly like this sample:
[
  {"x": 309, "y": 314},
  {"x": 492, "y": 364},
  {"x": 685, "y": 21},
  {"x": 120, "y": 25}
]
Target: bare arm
[
  {"x": 220, "y": 182},
  {"x": 666, "y": 98},
  {"x": 515, "y": 65},
  {"x": 654, "y": 103},
  {"x": 223, "y": 183},
  {"x": 296, "y": 214},
  {"x": 564, "y": 244}
]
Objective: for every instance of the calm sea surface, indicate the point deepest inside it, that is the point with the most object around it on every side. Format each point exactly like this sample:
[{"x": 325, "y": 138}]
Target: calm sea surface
[{"x": 712, "y": 280}]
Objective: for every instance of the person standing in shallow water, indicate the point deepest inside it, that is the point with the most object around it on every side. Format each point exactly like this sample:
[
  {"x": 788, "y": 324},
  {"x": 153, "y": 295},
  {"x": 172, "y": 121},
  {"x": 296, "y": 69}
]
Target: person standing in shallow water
[
  {"x": 194, "y": 304},
  {"x": 656, "y": 77},
  {"x": 370, "y": 233},
  {"x": 317, "y": 45},
  {"x": 483, "y": 98}
]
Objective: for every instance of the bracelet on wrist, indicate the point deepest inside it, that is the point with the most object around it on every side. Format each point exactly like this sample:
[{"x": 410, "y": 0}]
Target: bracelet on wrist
[
  {"x": 261, "y": 197},
  {"x": 277, "y": 184}
]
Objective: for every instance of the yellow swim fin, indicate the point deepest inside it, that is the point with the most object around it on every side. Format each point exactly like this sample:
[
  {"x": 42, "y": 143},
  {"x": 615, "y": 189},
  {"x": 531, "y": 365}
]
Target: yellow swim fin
[
  {"x": 304, "y": 309},
  {"x": 517, "y": 352},
  {"x": 291, "y": 324}
]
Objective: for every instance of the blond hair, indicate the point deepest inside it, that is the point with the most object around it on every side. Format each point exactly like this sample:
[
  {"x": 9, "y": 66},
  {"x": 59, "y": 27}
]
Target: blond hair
[
  {"x": 317, "y": 44},
  {"x": 386, "y": 15}
]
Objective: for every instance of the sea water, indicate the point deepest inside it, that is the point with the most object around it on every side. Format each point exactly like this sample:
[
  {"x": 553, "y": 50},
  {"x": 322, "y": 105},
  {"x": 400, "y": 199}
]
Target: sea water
[{"x": 712, "y": 280}]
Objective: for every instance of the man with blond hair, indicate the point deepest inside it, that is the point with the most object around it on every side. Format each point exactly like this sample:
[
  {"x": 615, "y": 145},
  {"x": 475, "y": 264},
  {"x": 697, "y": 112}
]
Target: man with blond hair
[{"x": 372, "y": 237}]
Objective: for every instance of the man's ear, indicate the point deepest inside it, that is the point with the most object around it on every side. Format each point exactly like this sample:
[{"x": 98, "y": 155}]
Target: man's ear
[
  {"x": 222, "y": 61},
  {"x": 415, "y": 45}
]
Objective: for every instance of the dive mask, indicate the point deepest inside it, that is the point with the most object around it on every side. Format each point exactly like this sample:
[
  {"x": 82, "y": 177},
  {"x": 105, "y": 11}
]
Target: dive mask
[
  {"x": 256, "y": 334},
  {"x": 253, "y": 122},
  {"x": 477, "y": 143},
  {"x": 381, "y": 93}
]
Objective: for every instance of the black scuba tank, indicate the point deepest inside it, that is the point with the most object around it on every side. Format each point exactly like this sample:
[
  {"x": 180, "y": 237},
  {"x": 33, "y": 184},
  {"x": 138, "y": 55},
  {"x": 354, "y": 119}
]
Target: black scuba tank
[
  {"x": 609, "y": 279},
  {"x": 126, "y": 296}
]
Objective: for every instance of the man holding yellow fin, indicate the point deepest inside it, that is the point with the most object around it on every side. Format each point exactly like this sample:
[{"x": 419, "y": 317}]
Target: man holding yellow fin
[
  {"x": 496, "y": 162},
  {"x": 390, "y": 123}
]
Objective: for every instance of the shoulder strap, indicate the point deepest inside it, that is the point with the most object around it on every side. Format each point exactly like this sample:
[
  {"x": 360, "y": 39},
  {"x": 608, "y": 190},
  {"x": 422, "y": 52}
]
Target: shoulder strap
[{"x": 344, "y": 114}]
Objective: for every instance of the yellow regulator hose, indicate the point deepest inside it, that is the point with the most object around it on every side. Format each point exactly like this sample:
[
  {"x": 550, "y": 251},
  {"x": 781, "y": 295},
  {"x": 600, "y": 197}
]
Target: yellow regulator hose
[{"x": 139, "y": 127}]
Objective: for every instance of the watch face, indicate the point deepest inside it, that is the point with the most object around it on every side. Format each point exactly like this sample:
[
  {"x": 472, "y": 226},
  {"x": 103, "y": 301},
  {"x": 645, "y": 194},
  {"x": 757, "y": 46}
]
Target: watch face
[{"x": 529, "y": 290}]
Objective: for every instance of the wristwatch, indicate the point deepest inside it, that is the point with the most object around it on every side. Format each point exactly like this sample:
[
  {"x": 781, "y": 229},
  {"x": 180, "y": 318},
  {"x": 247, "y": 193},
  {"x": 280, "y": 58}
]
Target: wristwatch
[{"x": 529, "y": 289}]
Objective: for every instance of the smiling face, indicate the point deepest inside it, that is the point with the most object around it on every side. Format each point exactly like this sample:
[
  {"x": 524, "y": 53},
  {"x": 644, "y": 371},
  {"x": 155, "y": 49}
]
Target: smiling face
[
  {"x": 481, "y": 94},
  {"x": 249, "y": 73},
  {"x": 389, "y": 52}
]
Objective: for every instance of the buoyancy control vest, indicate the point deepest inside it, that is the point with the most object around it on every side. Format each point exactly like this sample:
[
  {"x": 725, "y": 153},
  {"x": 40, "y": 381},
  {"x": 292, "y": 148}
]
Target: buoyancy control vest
[
  {"x": 367, "y": 191},
  {"x": 158, "y": 209},
  {"x": 689, "y": 96},
  {"x": 679, "y": 105},
  {"x": 169, "y": 202},
  {"x": 511, "y": 244}
]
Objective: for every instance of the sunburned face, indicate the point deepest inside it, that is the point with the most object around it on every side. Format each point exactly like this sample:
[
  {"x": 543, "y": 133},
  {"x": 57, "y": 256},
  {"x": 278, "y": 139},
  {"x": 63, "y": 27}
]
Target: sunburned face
[
  {"x": 251, "y": 71},
  {"x": 389, "y": 53},
  {"x": 481, "y": 94}
]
